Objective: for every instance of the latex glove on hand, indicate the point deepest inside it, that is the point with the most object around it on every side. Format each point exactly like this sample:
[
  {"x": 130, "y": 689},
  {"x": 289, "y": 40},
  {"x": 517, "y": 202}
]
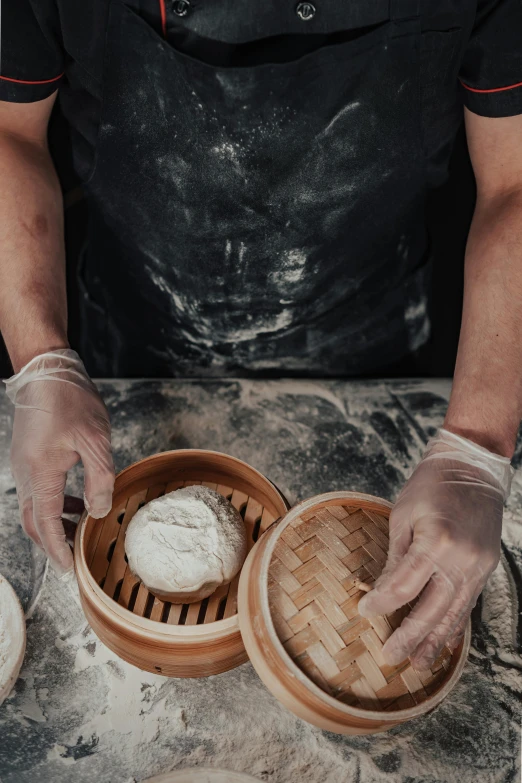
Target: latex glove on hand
[
  {"x": 59, "y": 419},
  {"x": 444, "y": 543}
]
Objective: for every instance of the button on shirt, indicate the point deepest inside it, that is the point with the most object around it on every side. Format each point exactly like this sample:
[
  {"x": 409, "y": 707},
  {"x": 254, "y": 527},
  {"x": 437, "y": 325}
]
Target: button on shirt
[
  {"x": 305, "y": 11},
  {"x": 181, "y": 7}
]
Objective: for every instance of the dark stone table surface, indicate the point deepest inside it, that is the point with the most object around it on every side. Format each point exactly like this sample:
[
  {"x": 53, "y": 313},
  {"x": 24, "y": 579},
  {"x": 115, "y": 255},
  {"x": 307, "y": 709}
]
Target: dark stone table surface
[{"x": 78, "y": 713}]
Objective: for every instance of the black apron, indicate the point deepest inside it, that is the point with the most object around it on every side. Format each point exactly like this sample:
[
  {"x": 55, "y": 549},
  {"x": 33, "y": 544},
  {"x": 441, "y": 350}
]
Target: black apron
[{"x": 265, "y": 219}]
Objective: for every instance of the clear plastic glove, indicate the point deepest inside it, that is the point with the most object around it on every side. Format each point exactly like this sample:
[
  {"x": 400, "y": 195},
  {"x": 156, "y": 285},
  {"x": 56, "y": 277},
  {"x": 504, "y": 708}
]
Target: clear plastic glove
[
  {"x": 59, "y": 419},
  {"x": 444, "y": 543}
]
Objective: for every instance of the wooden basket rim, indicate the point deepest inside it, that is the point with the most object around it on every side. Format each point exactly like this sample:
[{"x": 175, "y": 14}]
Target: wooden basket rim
[
  {"x": 160, "y": 454},
  {"x": 176, "y": 776},
  {"x": 406, "y": 714},
  {"x": 122, "y": 616}
]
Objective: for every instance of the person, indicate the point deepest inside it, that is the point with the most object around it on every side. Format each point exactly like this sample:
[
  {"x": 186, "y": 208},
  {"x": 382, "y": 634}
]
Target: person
[{"x": 256, "y": 176}]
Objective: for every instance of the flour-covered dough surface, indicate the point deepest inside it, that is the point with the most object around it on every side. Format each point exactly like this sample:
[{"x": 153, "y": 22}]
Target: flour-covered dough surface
[
  {"x": 185, "y": 540},
  {"x": 12, "y": 638}
]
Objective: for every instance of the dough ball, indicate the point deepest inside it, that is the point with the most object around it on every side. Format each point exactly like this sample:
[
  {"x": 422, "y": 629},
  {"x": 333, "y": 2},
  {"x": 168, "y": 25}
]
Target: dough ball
[
  {"x": 12, "y": 638},
  {"x": 186, "y": 544}
]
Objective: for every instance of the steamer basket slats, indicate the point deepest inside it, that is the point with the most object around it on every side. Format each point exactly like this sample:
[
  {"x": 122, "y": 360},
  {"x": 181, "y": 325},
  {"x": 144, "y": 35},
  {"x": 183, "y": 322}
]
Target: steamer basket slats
[
  {"x": 110, "y": 569},
  {"x": 100, "y": 556}
]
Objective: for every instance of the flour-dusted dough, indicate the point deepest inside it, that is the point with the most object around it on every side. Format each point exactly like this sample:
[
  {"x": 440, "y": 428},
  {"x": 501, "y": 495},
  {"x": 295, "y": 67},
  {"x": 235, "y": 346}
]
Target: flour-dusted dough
[
  {"x": 12, "y": 638},
  {"x": 186, "y": 544}
]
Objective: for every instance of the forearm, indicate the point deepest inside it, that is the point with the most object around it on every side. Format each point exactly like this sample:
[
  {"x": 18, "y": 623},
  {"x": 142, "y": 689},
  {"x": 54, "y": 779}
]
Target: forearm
[
  {"x": 33, "y": 304},
  {"x": 486, "y": 399}
]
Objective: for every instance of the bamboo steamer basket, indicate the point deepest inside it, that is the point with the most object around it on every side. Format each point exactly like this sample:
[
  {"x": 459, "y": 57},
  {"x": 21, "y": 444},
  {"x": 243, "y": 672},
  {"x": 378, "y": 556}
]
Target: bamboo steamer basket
[
  {"x": 292, "y": 610},
  {"x": 298, "y": 597},
  {"x": 191, "y": 640}
]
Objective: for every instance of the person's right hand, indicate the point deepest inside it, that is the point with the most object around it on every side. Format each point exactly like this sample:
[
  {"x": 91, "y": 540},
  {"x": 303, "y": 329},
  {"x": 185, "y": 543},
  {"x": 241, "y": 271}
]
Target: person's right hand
[{"x": 59, "y": 419}]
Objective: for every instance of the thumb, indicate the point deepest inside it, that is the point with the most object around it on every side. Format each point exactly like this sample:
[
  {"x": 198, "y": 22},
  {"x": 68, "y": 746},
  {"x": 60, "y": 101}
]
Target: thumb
[
  {"x": 401, "y": 537},
  {"x": 400, "y": 585},
  {"x": 47, "y": 496},
  {"x": 96, "y": 455}
]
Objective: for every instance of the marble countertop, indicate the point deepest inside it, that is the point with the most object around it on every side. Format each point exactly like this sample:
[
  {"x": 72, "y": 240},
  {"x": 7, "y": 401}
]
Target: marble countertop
[{"x": 79, "y": 713}]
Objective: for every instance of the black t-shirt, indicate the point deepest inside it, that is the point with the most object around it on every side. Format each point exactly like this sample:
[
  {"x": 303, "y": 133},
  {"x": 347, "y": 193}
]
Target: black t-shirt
[{"x": 47, "y": 44}]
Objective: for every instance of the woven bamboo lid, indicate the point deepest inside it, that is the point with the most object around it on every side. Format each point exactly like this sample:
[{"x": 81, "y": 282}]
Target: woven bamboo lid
[
  {"x": 298, "y": 598},
  {"x": 315, "y": 578}
]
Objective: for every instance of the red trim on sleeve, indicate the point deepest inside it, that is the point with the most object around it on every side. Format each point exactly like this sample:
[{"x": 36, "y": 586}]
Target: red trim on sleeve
[
  {"x": 163, "y": 14},
  {"x": 23, "y": 81},
  {"x": 496, "y": 89}
]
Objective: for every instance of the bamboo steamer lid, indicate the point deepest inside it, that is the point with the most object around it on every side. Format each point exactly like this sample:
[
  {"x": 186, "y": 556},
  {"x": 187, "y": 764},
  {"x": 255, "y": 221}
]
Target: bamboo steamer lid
[
  {"x": 298, "y": 598},
  {"x": 292, "y": 610}
]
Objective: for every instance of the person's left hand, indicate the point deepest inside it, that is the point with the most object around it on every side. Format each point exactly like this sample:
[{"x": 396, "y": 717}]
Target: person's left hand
[{"x": 444, "y": 543}]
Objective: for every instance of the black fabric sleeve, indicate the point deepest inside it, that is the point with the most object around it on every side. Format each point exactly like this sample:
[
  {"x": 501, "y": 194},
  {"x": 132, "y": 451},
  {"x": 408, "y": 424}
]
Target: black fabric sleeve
[
  {"x": 31, "y": 58},
  {"x": 491, "y": 73}
]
